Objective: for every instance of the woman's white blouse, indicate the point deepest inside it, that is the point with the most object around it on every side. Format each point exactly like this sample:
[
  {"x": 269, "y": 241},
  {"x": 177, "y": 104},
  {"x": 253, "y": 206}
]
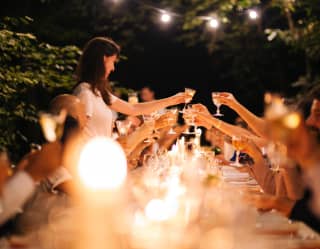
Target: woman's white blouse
[{"x": 100, "y": 117}]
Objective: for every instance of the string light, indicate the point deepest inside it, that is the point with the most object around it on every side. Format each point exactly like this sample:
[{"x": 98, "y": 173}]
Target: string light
[
  {"x": 214, "y": 23},
  {"x": 253, "y": 14},
  {"x": 165, "y": 17}
]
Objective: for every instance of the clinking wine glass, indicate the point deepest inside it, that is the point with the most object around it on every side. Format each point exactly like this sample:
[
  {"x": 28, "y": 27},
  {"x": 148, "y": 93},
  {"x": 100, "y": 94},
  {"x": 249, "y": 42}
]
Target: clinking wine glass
[
  {"x": 190, "y": 93},
  {"x": 123, "y": 127},
  {"x": 174, "y": 111},
  {"x": 189, "y": 117},
  {"x": 217, "y": 103},
  {"x": 149, "y": 120}
]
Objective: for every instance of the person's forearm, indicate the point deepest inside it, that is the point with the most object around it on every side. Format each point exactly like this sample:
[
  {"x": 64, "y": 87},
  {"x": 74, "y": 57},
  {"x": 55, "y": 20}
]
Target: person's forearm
[
  {"x": 263, "y": 175},
  {"x": 142, "y": 108},
  {"x": 230, "y": 130},
  {"x": 151, "y": 106},
  {"x": 293, "y": 183},
  {"x": 135, "y": 154},
  {"x": 167, "y": 140},
  {"x": 284, "y": 206},
  {"x": 257, "y": 124},
  {"x": 135, "y": 138}
]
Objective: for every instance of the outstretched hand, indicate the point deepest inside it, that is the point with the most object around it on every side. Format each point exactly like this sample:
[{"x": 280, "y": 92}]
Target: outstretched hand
[
  {"x": 226, "y": 98},
  {"x": 202, "y": 109},
  {"x": 179, "y": 98}
]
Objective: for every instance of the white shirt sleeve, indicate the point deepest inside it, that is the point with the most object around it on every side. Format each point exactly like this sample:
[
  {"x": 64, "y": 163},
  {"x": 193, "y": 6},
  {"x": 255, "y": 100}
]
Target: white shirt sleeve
[
  {"x": 113, "y": 98},
  {"x": 15, "y": 193},
  {"x": 85, "y": 95}
]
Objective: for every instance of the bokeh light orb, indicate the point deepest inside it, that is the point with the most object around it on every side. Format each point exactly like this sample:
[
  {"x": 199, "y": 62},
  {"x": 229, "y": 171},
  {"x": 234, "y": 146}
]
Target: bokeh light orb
[{"x": 102, "y": 164}]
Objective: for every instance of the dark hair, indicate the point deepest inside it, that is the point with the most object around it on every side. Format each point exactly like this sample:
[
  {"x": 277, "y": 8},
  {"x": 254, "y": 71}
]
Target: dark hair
[{"x": 91, "y": 68}]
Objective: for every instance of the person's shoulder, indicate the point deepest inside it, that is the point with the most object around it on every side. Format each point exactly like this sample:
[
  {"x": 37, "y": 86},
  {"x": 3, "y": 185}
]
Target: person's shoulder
[{"x": 82, "y": 87}]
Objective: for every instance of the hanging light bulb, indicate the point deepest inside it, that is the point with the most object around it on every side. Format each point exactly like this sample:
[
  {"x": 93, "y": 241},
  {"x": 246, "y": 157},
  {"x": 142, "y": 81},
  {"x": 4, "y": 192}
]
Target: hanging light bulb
[
  {"x": 213, "y": 23},
  {"x": 165, "y": 17},
  {"x": 253, "y": 14}
]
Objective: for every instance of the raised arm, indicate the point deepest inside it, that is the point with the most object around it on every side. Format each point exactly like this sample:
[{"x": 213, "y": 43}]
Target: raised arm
[
  {"x": 204, "y": 118},
  {"x": 257, "y": 124},
  {"x": 124, "y": 107},
  {"x": 130, "y": 142}
]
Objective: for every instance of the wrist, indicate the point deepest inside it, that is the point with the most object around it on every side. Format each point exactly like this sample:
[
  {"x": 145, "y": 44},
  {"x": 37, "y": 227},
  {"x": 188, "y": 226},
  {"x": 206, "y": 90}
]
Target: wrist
[
  {"x": 235, "y": 105},
  {"x": 217, "y": 123}
]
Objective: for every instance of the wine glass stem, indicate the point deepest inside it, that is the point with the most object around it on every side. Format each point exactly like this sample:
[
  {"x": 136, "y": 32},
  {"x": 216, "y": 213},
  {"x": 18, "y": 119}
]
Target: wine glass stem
[
  {"x": 184, "y": 107},
  {"x": 218, "y": 109}
]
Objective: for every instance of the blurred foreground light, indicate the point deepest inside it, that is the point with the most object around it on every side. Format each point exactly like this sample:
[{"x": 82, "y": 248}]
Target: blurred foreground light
[
  {"x": 155, "y": 210},
  {"x": 292, "y": 121},
  {"x": 165, "y": 18},
  {"x": 218, "y": 238},
  {"x": 102, "y": 164},
  {"x": 253, "y": 14},
  {"x": 213, "y": 23},
  {"x": 160, "y": 210}
]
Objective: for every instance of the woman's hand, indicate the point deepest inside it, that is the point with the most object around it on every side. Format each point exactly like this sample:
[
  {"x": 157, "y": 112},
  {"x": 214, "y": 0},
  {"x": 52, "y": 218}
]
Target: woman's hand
[
  {"x": 165, "y": 120},
  {"x": 179, "y": 98},
  {"x": 201, "y": 109},
  {"x": 196, "y": 118},
  {"x": 226, "y": 98}
]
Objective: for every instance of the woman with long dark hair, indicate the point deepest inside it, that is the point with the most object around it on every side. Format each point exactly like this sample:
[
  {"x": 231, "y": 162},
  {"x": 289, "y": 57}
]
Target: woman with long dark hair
[{"x": 96, "y": 63}]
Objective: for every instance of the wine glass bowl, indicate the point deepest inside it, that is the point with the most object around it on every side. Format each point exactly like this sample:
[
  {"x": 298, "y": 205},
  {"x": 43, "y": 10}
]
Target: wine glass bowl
[
  {"x": 149, "y": 119},
  {"x": 173, "y": 118},
  {"x": 123, "y": 127},
  {"x": 190, "y": 93},
  {"x": 217, "y": 103},
  {"x": 189, "y": 115}
]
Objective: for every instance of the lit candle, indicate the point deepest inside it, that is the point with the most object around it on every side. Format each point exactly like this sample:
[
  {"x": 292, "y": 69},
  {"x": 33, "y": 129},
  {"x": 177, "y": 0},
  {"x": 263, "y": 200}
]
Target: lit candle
[{"x": 102, "y": 170}]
